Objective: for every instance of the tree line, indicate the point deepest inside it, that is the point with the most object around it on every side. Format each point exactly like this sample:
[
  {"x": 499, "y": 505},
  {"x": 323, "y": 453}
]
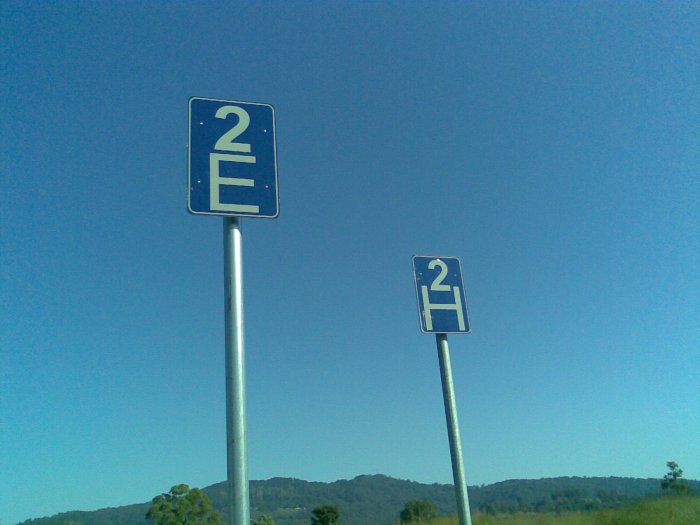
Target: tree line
[{"x": 191, "y": 506}]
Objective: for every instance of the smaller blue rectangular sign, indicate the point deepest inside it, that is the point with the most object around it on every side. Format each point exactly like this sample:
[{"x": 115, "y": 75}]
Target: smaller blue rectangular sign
[
  {"x": 232, "y": 159},
  {"x": 442, "y": 300}
]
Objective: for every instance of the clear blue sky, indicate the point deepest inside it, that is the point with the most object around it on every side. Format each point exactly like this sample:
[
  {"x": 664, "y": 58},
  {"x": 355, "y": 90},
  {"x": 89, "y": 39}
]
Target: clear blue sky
[{"x": 553, "y": 146}]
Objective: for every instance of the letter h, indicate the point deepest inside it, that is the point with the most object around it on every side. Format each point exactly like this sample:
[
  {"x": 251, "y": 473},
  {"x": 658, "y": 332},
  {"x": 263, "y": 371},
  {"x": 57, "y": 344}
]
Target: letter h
[{"x": 456, "y": 306}]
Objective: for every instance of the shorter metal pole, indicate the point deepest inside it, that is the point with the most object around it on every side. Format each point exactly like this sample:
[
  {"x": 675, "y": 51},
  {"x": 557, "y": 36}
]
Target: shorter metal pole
[{"x": 448, "y": 395}]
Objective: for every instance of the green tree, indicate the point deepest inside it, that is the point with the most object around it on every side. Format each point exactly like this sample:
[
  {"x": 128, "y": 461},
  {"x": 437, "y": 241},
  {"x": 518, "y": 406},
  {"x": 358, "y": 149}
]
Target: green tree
[
  {"x": 325, "y": 515},
  {"x": 672, "y": 481},
  {"x": 182, "y": 506},
  {"x": 263, "y": 519},
  {"x": 419, "y": 511}
]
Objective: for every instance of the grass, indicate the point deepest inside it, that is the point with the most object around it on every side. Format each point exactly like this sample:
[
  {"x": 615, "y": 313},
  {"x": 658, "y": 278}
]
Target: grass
[{"x": 677, "y": 510}]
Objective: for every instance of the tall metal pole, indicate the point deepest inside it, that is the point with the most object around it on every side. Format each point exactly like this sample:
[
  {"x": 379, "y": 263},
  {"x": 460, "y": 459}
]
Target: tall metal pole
[
  {"x": 236, "y": 447},
  {"x": 448, "y": 395}
]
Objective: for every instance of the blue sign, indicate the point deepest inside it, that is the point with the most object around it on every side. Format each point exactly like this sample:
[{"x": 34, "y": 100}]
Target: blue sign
[
  {"x": 232, "y": 159},
  {"x": 442, "y": 300}
]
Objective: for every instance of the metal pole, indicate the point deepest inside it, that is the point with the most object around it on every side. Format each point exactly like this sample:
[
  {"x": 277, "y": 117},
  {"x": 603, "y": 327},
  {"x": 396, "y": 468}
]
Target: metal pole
[
  {"x": 236, "y": 448},
  {"x": 448, "y": 395}
]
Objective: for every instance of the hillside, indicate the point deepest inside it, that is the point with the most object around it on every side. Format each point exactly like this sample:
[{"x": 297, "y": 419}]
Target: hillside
[{"x": 378, "y": 499}]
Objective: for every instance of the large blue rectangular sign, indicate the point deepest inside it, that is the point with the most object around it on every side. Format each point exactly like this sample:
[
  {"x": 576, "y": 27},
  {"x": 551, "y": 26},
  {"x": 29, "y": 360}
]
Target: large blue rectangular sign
[
  {"x": 232, "y": 159},
  {"x": 442, "y": 300}
]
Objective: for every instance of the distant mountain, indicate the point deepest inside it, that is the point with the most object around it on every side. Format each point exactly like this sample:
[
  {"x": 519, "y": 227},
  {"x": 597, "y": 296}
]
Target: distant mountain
[{"x": 378, "y": 499}]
